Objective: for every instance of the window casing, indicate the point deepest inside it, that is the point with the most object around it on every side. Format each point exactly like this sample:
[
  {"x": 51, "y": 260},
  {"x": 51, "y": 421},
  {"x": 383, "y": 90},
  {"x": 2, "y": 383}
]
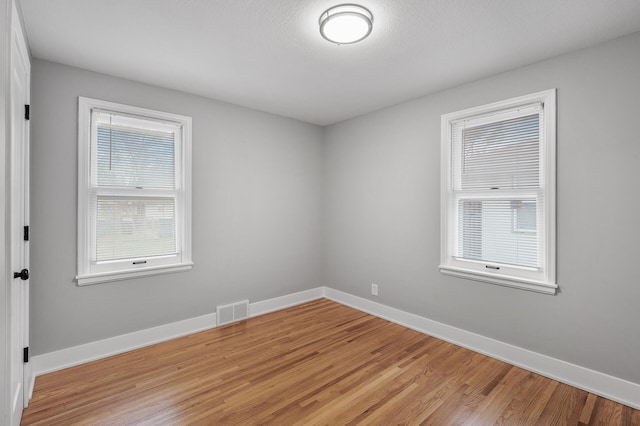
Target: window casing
[
  {"x": 134, "y": 192},
  {"x": 498, "y": 193}
]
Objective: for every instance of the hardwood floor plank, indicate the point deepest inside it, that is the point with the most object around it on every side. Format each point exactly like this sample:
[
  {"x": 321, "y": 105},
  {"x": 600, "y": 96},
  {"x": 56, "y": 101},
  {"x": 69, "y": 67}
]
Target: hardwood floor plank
[
  {"x": 607, "y": 412},
  {"x": 499, "y": 398},
  {"x": 635, "y": 416},
  {"x": 587, "y": 410},
  {"x": 316, "y": 363},
  {"x": 522, "y": 397},
  {"x": 536, "y": 401},
  {"x": 564, "y": 406}
]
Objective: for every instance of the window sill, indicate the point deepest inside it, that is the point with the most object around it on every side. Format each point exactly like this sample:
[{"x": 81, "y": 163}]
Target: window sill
[
  {"x": 104, "y": 277},
  {"x": 503, "y": 280}
]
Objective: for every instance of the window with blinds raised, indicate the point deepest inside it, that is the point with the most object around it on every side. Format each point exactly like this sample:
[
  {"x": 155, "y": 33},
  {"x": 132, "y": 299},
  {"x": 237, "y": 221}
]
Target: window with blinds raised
[
  {"x": 134, "y": 192},
  {"x": 498, "y": 193}
]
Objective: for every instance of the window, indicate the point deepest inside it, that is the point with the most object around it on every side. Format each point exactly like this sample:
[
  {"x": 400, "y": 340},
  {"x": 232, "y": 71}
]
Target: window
[
  {"x": 523, "y": 216},
  {"x": 134, "y": 192},
  {"x": 498, "y": 193}
]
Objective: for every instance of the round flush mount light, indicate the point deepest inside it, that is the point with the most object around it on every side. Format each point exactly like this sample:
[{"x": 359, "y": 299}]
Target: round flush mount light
[{"x": 346, "y": 23}]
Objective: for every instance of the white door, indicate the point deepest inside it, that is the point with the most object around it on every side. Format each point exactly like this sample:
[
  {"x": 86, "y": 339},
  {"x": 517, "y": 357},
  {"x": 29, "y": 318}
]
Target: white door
[{"x": 19, "y": 162}]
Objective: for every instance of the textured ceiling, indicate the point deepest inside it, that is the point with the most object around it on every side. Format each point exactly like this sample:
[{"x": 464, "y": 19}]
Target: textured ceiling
[{"x": 269, "y": 55}]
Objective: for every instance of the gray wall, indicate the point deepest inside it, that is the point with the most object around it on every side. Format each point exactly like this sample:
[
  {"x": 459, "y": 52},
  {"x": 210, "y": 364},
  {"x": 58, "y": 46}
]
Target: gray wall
[
  {"x": 256, "y": 212},
  {"x": 382, "y": 212}
]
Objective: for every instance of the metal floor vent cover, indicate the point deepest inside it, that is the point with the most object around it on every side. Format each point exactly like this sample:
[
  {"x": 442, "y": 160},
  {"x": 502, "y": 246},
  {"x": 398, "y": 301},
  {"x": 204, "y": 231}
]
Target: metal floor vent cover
[{"x": 232, "y": 312}]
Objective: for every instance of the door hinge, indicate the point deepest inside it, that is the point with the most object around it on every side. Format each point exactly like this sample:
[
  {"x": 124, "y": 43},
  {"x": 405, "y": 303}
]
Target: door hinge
[
  {"x": 25, "y": 354},
  {"x": 26, "y": 233},
  {"x": 27, "y": 112}
]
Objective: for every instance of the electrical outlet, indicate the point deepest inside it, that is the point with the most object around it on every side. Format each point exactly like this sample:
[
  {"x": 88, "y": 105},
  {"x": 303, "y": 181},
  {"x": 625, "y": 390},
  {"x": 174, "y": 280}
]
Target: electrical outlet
[{"x": 374, "y": 289}]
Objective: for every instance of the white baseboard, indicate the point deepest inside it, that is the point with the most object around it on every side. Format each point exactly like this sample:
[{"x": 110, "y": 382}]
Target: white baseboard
[
  {"x": 64, "y": 358},
  {"x": 277, "y": 303},
  {"x": 69, "y": 357},
  {"x": 610, "y": 387}
]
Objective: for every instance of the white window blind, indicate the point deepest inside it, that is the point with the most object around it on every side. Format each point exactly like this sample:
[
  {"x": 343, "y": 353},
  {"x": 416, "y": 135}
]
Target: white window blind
[
  {"x": 497, "y": 202},
  {"x": 135, "y": 153},
  {"x": 135, "y": 204},
  {"x": 134, "y": 193},
  {"x": 496, "y": 171}
]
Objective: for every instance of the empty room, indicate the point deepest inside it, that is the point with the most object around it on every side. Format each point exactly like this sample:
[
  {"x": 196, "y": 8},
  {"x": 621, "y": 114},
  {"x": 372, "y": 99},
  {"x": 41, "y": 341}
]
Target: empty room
[{"x": 313, "y": 212}]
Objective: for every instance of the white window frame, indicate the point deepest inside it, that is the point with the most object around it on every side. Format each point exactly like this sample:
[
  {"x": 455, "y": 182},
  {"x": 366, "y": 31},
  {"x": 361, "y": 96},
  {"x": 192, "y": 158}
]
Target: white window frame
[
  {"x": 98, "y": 272},
  {"x": 541, "y": 279}
]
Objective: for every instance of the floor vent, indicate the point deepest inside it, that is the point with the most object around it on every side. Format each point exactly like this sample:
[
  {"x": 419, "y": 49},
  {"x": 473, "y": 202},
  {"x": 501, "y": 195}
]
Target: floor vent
[{"x": 232, "y": 312}]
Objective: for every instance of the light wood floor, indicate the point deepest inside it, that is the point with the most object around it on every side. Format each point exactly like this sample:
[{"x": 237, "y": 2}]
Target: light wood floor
[{"x": 317, "y": 363}]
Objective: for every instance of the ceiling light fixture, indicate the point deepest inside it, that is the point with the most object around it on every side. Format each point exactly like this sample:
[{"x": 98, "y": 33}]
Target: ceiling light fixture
[{"x": 346, "y": 23}]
